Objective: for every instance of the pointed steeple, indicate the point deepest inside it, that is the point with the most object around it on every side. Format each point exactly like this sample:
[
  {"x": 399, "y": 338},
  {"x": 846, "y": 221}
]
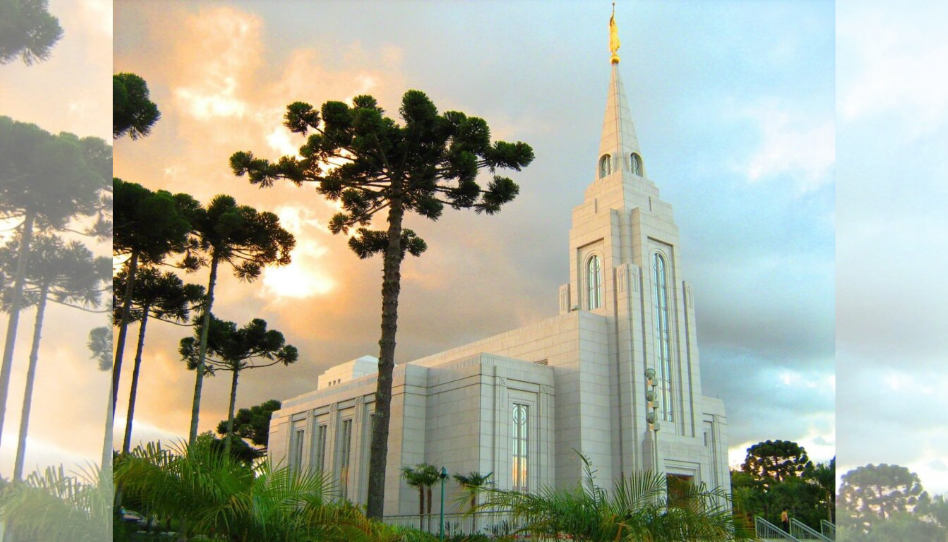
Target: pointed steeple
[{"x": 618, "y": 132}]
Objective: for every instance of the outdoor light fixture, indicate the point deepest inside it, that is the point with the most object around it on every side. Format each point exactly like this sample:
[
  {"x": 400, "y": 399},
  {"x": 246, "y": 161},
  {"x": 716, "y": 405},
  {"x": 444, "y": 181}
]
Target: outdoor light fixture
[{"x": 652, "y": 397}]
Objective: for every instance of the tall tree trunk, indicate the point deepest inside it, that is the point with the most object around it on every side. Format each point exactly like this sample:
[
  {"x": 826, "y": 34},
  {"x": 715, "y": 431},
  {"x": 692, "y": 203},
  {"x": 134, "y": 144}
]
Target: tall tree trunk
[
  {"x": 473, "y": 510},
  {"x": 421, "y": 508},
  {"x": 391, "y": 285},
  {"x": 230, "y": 414},
  {"x": 123, "y": 327},
  {"x": 30, "y": 379},
  {"x": 202, "y": 353},
  {"x": 127, "y": 442},
  {"x": 107, "y": 438},
  {"x": 22, "y": 260},
  {"x": 429, "y": 506}
]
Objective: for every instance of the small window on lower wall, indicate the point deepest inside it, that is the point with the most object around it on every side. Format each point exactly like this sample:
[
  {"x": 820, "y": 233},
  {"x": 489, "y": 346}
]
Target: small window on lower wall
[{"x": 679, "y": 487}]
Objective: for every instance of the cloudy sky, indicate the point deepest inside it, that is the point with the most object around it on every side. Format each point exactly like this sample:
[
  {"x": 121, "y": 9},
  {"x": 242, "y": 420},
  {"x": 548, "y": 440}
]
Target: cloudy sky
[
  {"x": 734, "y": 109},
  {"x": 892, "y": 251},
  {"x": 70, "y": 92},
  {"x": 736, "y": 113}
]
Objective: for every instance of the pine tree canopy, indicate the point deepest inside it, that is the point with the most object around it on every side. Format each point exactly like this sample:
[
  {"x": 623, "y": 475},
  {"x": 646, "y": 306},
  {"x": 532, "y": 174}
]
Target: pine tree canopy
[{"x": 368, "y": 162}]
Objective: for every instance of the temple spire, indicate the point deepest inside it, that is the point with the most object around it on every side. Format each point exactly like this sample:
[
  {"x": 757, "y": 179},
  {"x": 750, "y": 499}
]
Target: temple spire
[{"x": 618, "y": 132}]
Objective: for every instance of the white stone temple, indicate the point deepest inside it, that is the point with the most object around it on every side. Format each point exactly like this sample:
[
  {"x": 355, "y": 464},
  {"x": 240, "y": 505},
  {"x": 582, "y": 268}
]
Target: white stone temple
[{"x": 521, "y": 404}]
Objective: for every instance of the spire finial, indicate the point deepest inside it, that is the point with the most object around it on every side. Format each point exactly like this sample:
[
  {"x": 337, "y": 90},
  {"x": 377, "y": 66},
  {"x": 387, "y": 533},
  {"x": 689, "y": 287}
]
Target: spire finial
[{"x": 613, "y": 36}]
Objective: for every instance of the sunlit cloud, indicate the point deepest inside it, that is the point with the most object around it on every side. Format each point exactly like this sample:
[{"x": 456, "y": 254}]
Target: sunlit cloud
[
  {"x": 224, "y": 47},
  {"x": 792, "y": 145},
  {"x": 296, "y": 280},
  {"x": 99, "y": 15},
  {"x": 896, "y": 65},
  {"x": 279, "y": 140},
  {"x": 304, "y": 277},
  {"x": 143, "y": 431},
  {"x": 218, "y": 103},
  {"x": 42, "y": 452},
  {"x": 896, "y": 382}
]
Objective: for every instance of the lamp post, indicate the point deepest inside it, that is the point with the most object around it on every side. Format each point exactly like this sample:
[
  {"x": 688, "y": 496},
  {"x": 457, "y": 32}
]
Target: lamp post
[{"x": 443, "y": 476}]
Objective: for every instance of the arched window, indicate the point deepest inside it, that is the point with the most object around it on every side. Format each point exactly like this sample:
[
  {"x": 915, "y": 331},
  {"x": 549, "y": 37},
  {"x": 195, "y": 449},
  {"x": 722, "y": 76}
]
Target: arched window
[
  {"x": 605, "y": 165},
  {"x": 636, "y": 164},
  {"x": 662, "y": 338},
  {"x": 593, "y": 283}
]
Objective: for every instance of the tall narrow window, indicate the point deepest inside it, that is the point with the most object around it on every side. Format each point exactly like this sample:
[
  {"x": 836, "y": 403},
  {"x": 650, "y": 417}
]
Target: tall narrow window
[
  {"x": 636, "y": 164},
  {"x": 605, "y": 165},
  {"x": 319, "y": 461},
  {"x": 345, "y": 451},
  {"x": 678, "y": 486},
  {"x": 662, "y": 338},
  {"x": 521, "y": 446},
  {"x": 296, "y": 458},
  {"x": 593, "y": 283}
]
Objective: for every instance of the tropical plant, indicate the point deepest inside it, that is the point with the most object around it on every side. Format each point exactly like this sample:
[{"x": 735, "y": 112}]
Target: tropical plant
[
  {"x": 472, "y": 484},
  {"x": 638, "y": 508},
  {"x": 45, "y": 181},
  {"x": 67, "y": 274},
  {"x": 238, "y": 235},
  {"x": 51, "y": 505},
  {"x": 133, "y": 112},
  {"x": 157, "y": 295},
  {"x": 27, "y": 30},
  {"x": 369, "y": 164},
  {"x": 236, "y": 350},
  {"x": 422, "y": 476},
  {"x": 211, "y": 494}
]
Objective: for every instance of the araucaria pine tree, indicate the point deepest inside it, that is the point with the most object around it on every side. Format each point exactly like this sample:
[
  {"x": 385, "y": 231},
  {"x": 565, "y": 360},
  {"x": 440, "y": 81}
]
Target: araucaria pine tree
[
  {"x": 45, "y": 182},
  {"x": 157, "y": 295},
  {"x": 236, "y": 350},
  {"x": 148, "y": 227},
  {"x": 64, "y": 273},
  {"x": 370, "y": 163},
  {"x": 238, "y": 235}
]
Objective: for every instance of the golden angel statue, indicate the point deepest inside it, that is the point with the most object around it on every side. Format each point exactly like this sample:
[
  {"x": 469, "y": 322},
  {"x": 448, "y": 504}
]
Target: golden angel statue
[{"x": 613, "y": 37}]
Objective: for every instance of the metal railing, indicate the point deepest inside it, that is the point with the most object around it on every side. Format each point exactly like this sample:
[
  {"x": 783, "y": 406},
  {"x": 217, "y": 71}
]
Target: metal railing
[
  {"x": 490, "y": 523},
  {"x": 801, "y": 531},
  {"x": 768, "y": 531},
  {"x": 828, "y": 529}
]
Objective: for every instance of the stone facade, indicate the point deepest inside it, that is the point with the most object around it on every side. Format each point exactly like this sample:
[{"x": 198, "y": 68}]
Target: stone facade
[{"x": 523, "y": 403}]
